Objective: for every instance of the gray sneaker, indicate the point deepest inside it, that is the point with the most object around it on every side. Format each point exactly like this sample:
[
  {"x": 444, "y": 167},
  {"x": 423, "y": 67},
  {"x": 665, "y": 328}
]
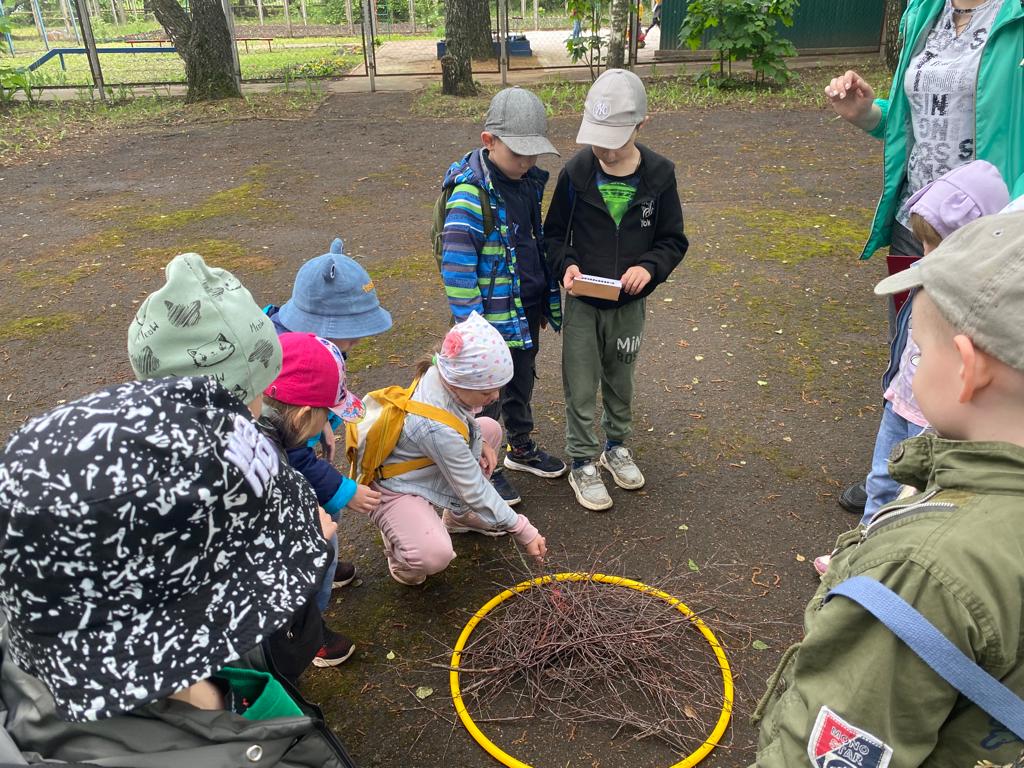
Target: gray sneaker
[
  {"x": 589, "y": 487},
  {"x": 625, "y": 473}
]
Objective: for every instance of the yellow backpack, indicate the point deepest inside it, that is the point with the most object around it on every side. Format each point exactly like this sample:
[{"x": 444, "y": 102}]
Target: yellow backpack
[{"x": 369, "y": 442}]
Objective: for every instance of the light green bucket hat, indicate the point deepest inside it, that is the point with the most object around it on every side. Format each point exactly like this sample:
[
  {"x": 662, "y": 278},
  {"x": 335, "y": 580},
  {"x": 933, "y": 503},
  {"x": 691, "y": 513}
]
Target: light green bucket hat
[{"x": 203, "y": 322}]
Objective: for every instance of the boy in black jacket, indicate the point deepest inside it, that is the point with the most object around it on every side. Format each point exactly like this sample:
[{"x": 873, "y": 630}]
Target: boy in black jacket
[{"x": 615, "y": 214}]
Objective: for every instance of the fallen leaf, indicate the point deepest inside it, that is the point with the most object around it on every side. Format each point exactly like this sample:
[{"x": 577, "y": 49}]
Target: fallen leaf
[
  {"x": 423, "y": 692},
  {"x": 759, "y": 645},
  {"x": 692, "y": 565},
  {"x": 667, "y": 300},
  {"x": 690, "y": 712},
  {"x": 698, "y": 358},
  {"x": 390, "y": 656},
  {"x": 800, "y": 558},
  {"x": 684, "y": 527},
  {"x": 762, "y": 383}
]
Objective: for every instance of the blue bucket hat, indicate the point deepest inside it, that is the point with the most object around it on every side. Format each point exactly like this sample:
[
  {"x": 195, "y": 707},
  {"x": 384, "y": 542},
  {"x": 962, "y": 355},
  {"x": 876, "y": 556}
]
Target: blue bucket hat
[{"x": 334, "y": 298}]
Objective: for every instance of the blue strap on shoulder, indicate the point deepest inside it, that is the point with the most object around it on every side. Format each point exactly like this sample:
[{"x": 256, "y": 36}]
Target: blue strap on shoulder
[{"x": 924, "y": 639}]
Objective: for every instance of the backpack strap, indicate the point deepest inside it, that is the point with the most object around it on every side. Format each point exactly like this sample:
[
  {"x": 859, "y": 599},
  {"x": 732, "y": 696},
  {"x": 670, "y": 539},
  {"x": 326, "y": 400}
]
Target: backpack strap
[
  {"x": 936, "y": 650},
  {"x": 433, "y": 413}
]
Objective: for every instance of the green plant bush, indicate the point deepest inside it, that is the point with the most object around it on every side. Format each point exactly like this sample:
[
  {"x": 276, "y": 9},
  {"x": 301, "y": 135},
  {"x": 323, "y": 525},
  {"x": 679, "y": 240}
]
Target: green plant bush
[{"x": 740, "y": 30}]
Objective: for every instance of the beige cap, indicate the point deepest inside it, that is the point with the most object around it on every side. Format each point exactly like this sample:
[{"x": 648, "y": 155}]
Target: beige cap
[
  {"x": 976, "y": 279},
  {"x": 616, "y": 104}
]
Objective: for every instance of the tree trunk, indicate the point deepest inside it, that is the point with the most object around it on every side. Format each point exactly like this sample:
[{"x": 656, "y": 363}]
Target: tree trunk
[
  {"x": 456, "y": 64},
  {"x": 616, "y": 57},
  {"x": 470, "y": 22},
  {"x": 348, "y": 17},
  {"x": 67, "y": 20},
  {"x": 204, "y": 43},
  {"x": 893, "y": 12},
  {"x": 412, "y": 15},
  {"x": 259, "y": 10}
]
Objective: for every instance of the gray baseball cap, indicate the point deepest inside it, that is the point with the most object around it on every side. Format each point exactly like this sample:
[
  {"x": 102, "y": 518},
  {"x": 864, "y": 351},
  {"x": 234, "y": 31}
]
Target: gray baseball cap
[
  {"x": 976, "y": 279},
  {"x": 518, "y": 118},
  {"x": 616, "y": 104},
  {"x": 203, "y": 322}
]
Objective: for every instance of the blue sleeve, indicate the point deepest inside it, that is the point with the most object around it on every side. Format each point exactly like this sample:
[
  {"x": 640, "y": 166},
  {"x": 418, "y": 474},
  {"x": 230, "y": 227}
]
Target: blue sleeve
[
  {"x": 461, "y": 242},
  {"x": 333, "y": 490}
]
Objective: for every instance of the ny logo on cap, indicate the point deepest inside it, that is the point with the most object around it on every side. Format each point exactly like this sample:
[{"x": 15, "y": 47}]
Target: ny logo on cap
[{"x": 601, "y": 110}]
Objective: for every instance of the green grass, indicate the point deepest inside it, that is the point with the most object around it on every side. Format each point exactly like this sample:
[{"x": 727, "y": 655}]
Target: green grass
[
  {"x": 31, "y": 129},
  {"x": 664, "y": 94},
  {"x": 290, "y": 63},
  {"x": 36, "y": 326}
]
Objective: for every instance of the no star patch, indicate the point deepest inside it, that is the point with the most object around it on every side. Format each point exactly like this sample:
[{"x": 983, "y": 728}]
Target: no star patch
[{"x": 835, "y": 743}]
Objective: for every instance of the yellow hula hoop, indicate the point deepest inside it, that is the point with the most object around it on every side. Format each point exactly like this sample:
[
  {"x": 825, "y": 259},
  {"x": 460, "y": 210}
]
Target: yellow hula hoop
[{"x": 506, "y": 759}]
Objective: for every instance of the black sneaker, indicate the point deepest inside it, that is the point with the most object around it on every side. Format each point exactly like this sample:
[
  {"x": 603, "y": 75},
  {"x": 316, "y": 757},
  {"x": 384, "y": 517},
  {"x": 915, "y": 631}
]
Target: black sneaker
[
  {"x": 337, "y": 649},
  {"x": 530, "y": 458},
  {"x": 854, "y": 498},
  {"x": 505, "y": 488},
  {"x": 344, "y": 574}
]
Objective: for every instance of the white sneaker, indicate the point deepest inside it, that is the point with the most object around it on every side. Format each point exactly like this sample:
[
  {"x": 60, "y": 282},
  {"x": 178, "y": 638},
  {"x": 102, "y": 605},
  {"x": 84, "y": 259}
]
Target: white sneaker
[
  {"x": 625, "y": 473},
  {"x": 589, "y": 487}
]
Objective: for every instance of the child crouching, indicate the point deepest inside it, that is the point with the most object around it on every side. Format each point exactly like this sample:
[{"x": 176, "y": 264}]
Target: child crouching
[{"x": 462, "y": 379}]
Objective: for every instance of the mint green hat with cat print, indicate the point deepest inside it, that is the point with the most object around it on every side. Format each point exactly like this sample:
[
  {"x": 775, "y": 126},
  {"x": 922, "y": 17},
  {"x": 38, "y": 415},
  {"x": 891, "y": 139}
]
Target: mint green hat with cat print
[{"x": 203, "y": 322}]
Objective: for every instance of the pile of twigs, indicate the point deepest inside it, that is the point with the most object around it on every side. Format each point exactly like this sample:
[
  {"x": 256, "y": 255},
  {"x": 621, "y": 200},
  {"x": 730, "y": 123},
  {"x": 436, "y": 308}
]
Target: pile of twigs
[{"x": 588, "y": 652}]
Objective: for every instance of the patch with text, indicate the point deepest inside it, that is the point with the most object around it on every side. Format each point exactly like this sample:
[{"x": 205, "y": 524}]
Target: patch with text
[{"x": 834, "y": 743}]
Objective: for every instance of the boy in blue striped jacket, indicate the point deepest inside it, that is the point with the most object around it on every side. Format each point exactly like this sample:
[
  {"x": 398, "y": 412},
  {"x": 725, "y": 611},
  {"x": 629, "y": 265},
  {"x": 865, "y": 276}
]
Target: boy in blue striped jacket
[{"x": 496, "y": 266}]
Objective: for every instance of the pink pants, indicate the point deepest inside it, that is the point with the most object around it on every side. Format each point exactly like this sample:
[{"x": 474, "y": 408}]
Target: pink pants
[{"x": 415, "y": 540}]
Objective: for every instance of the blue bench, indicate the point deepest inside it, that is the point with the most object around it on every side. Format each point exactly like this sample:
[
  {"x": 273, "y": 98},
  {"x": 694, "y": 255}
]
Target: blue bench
[
  {"x": 516, "y": 45},
  {"x": 62, "y": 52}
]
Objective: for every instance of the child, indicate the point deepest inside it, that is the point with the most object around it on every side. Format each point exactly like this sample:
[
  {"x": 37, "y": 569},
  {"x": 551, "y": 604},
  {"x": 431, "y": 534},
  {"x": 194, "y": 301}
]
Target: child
[
  {"x": 463, "y": 378},
  {"x": 203, "y": 321},
  {"x": 150, "y": 542},
  {"x": 334, "y": 298},
  {"x": 938, "y": 209},
  {"x": 295, "y": 407},
  {"x": 615, "y": 213},
  {"x": 953, "y": 551},
  {"x": 501, "y": 274}
]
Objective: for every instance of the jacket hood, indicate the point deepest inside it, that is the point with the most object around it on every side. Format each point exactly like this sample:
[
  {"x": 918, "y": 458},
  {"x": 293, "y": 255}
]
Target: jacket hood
[
  {"x": 472, "y": 169},
  {"x": 983, "y": 467},
  {"x": 658, "y": 172}
]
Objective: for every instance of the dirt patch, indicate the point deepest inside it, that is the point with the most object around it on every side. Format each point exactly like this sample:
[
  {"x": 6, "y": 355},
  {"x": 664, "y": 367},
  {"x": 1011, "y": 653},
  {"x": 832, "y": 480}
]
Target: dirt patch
[{"x": 757, "y": 394}]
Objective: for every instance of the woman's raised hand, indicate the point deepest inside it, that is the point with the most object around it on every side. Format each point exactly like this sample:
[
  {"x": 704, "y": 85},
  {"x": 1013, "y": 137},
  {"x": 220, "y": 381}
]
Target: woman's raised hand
[{"x": 853, "y": 99}]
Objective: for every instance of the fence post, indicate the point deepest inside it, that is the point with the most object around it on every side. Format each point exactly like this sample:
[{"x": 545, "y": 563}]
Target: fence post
[
  {"x": 412, "y": 15},
  {"x": 634, "y": 29},
  {"x": 82, "y": 6},
  {"x": 348, "y": 17},
  {"x": 37, "y": 14},
  {"x": 7, "y": 35},
  {"x": 503, "y": 41},
  {"x": 369, "y": 48},
  {"x": 229, "y": 17},
  {"x": 70, "y": 8},
  {"x": 536, "y": 14}
]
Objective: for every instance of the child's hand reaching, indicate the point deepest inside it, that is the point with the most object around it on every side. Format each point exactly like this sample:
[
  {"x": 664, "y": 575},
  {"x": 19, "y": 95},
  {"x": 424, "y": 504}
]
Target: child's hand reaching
[
  {"x": 488, "y": 459},
  {"x": 635, "y": 280},
  {"x": 537, "y": 549},
  {"x": 366, "y": 500}
]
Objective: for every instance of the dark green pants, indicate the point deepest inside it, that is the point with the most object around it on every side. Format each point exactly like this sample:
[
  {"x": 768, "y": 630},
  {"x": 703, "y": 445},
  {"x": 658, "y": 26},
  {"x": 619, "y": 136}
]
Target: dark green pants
[{"x": 599, "y": 346}]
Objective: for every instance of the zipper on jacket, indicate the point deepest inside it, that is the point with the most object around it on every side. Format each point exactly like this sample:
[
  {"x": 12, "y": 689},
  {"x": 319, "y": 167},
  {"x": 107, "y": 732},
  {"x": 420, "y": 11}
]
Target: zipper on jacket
[{"x": 898, "y": 512}]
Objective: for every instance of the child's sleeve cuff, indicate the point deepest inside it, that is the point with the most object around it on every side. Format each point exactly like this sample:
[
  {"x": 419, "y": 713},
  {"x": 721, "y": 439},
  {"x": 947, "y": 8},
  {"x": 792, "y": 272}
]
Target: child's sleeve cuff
[{"x": 341, "y": 497}]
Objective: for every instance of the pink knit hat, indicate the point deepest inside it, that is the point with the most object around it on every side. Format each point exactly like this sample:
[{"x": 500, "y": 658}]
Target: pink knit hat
[
  {"x": 475, "y": 356},
  {"x": 313, "y": 374},
  {"x": 960, "y": 196}
]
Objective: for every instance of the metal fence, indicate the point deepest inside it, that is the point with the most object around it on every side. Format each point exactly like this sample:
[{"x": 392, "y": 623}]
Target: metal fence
[{"x": 285, "y": 40}]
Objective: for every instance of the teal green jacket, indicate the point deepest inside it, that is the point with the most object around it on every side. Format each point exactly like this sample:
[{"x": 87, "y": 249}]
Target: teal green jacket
[
  {"x": 956, "y": 553},
  {"x": 999, "y": 108}
]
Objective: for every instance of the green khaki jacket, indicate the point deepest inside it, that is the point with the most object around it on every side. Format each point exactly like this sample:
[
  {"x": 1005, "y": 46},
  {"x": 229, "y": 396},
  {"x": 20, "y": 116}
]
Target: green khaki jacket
[
  {"x": 999, "y": 108},
  {"x": 956, "y": 553}
]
